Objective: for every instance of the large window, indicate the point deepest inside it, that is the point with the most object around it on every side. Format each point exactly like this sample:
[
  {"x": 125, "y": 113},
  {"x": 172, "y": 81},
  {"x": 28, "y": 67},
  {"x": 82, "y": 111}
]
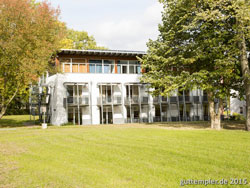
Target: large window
[
  {"x": 134, "y": 67},
  {"x": 241, "y": 110},
  {"x": 122, "y": 67},
  {"x": 95, "y": 66},
  {"x": 101, "y": 66},
  {"x": 74, "y": 65},
  {"x": 109, "y": 66},
  {"x": 128, "y": 67}
]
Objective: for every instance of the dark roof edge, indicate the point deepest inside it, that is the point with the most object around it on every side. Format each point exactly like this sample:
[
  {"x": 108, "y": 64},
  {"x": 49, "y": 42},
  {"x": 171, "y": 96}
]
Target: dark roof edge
[{"x": 103, "y": 52}]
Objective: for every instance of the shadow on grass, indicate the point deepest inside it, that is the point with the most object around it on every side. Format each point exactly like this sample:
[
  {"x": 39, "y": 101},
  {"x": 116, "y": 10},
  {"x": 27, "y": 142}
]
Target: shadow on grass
[
  {"x": 13, "y": 123},
  {"x": 230, "y": 125},
  {"x": 24, "y": 121},
  {"x": 234, "y": 125}
]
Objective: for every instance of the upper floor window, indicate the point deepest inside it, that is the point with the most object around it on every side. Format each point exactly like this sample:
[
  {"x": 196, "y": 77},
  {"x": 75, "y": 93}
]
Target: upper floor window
[
  {"x": 128, "y": 67},
  {"x": 122, "y": 67},
  {"x": 100, "y": 66},
  {"x": 241, "y": 110},
  {"x": 109, "y": 66},
  {"x": 95, "y": 66},
  {"x": 74, "y": 65}
]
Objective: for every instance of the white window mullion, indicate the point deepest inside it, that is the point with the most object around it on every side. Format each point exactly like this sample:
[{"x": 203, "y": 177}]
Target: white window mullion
[
  {"x": 128, "y": 68},
  {"x": 71, "y": 68},
  {"x": 102, "y": 66}
]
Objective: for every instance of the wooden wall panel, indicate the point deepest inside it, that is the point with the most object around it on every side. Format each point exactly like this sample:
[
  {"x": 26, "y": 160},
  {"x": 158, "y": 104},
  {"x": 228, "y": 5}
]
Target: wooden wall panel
[
  {"x": 75, "y": 68},
  {"x": 83, "y": 68},
  {"x": 66, "y": 68}
]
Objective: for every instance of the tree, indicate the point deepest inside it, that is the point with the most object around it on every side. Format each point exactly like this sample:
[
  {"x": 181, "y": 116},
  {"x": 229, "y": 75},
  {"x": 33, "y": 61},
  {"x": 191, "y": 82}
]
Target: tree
[
  {"x": 199, "y": 47},
  {"x": 242, "y": 27},
  {"x": 234, "y": 17},
  {"x": 79, "y": 40},
  {"x": 30, "y": 33}
]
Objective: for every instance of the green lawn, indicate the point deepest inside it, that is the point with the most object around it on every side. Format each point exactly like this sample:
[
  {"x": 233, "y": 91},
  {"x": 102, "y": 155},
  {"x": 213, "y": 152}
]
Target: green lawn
[{"x": 155, "y": 155}]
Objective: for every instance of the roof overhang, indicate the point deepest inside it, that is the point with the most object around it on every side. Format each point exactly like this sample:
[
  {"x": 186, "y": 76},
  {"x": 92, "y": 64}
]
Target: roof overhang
[{"x": 118, "y": 53}]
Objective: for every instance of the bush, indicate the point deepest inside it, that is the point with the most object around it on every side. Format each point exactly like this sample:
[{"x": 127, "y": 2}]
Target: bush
[
  {"x": 237, "y": 117},
  {"x": 17, "y": 112}
]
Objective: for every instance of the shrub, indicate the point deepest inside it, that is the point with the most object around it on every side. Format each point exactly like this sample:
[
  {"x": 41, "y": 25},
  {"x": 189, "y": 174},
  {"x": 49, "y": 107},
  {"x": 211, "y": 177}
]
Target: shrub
[
  {"x": 238, "y": 117},
  {"x": 17, "y": 112}
]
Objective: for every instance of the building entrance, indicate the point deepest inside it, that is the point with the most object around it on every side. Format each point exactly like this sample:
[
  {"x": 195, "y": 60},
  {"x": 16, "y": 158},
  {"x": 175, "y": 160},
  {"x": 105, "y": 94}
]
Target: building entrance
[{"x": 106, "y": 115}]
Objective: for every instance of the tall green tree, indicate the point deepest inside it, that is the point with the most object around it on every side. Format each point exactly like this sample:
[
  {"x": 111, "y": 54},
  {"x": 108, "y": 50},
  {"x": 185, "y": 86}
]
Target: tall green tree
[
  {"x": 242, "y": 28},
  {"x": 233, "y": 18},
  {"x": 79, "y": 40},
  {"x": 29, "y": 34},
  {"x": 196, "y": 38}
]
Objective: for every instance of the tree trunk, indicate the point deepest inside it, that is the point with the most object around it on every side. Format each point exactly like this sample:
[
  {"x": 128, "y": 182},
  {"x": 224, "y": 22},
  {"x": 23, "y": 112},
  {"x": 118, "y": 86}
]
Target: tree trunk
[
  {"x": 215, "y": 119},
  {"x": 211, "y": 108},
  {"x": 5, "y": 106},
  {"x": 246, "y": 78},
  {"x": 3, "y": 110},
  {"x": 217, "y": 124}
]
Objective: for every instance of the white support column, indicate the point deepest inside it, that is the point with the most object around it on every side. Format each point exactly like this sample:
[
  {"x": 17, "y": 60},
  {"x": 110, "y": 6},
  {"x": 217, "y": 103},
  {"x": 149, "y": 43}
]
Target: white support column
[
  {"x": 130, "y": 103},
  {"x": 197, "y": 108},
  {"x": 139, "y": 95},
  {"x": 122, "y": 95},
  {"x": 106, "y": 100},
  {"x": 178, "y": 106},
  {"x": 160, "y": 107},
  {"x": 74, "y": 116},
  {"x": 67, "y": 105},
  {"x": 192, "y": 109},
  {"x": 101, "y": 105},
  {"x": 112, "y": 102},
  {"x": 78, "y": 104},
  {"x": 202, "y": 113},
  {"x": 90, "y": 102},
  {"x": 184, "y": 106},
  {"x": 149, "y": 104},
  {"x": 169, "y": 108}
]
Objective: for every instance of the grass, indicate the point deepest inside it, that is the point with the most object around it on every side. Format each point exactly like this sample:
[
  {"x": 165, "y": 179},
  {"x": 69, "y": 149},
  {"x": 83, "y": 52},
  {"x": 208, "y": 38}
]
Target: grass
[{"x": 140, "y": 155}]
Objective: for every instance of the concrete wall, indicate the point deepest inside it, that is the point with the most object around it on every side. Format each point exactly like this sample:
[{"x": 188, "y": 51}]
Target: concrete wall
[{"x": 236, "y": 104}]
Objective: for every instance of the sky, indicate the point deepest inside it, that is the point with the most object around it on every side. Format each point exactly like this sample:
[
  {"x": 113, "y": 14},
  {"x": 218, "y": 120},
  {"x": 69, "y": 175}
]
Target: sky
[{"x": 117, "y": 25}]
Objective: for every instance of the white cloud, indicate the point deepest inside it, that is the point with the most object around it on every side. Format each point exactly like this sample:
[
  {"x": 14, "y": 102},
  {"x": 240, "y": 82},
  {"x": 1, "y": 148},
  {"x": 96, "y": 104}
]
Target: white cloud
[
  {"x": 115, "y": 24},
  {"x": 130, "y": 34}
]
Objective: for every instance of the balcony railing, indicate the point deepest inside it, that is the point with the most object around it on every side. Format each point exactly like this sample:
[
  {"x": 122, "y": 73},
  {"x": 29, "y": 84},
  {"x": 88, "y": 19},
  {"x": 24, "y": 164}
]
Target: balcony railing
[
  {"x": 173, "y": 99},
  {"x": 137, "y": 120},
  {"x": 144, "y": 100},
  {"x": 83, "y": 100},
  {"x": 204, "y": 98},
  {"x": 187, "y": 99},
  {"x": 196, "y": 99},
  {"x": 116, "y": 100},
  {"x": 164, "y": 99},
  {"x": 133, "y": 120},
  {"x": 136, "y": 100},
  {"x": 160, "y": 99},
  {"x": 156, "y": 100},
  {"x": 180, "y": 98},
  {"x": 157, "y": 119}
]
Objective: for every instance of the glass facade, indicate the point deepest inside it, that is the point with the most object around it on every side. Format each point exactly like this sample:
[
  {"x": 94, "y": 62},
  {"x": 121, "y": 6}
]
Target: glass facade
[
  {"x": 95, "y": 66},
  {"x": 103, "y": 66}
]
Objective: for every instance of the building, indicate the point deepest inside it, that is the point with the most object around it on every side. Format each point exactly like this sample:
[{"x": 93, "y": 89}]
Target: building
[{"x": 103, "y": 87}]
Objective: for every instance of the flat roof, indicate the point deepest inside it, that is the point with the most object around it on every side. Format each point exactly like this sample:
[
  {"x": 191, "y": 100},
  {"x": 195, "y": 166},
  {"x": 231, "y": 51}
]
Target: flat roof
[{"x": 103, "y": 52}]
